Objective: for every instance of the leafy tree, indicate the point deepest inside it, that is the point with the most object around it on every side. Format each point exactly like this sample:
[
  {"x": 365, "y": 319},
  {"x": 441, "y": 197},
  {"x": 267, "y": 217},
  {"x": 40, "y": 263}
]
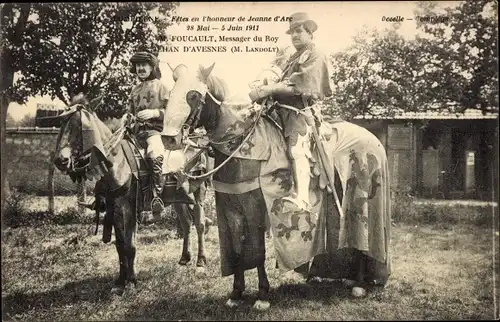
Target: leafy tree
[
  {"x": 464, "y": 47},
  {"x": 66, "y": 49},
  {"x": 454, "y": 61},
  {"x": 10, "y": 122},
  {"x": 26, "y": 121},
  {"x": 62, "y": 49},
  {"x": 376, "y": 75}
]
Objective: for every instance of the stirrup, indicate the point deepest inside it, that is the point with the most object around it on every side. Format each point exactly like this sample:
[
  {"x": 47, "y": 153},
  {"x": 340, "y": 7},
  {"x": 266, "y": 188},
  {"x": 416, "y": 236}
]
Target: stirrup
[{"x": 157, "y": 206}]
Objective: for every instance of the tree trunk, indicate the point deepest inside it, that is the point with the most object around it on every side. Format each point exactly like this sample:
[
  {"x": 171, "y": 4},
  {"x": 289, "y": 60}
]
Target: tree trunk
[
  {"x": 51, "y": 185},
  {"x": 82, "y": 197},
  {"x": 6, "y": 81},
  {"x": 3, "y": 117}
]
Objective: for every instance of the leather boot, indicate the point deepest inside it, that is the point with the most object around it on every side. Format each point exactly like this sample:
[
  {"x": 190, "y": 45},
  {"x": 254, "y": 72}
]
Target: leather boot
[{"x": 157, "y": 205}]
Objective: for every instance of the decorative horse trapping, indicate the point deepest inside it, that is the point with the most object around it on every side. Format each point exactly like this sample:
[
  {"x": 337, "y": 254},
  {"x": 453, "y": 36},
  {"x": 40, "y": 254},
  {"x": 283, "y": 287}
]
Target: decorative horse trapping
[
  {"x": 253, "y": 178},
  {"x": 86, "y": 148}
]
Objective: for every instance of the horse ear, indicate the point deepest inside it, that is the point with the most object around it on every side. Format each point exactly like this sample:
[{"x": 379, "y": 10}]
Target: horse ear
[
  {"x": 171, "y": 68},
  {"x": 96, "y": 102},
  {"x": 205, "y": 72}
]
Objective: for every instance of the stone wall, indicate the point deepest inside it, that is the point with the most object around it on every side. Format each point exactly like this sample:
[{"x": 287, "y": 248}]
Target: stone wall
[{"x": 29, "y": 155}]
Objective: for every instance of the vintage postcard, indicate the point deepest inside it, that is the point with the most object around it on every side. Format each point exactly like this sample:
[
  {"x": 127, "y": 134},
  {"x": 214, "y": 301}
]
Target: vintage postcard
[{"x": 322, "y": 160}]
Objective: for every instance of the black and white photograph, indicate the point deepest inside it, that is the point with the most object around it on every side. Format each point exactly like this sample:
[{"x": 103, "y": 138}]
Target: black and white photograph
[{"x": 259, "y": 161}]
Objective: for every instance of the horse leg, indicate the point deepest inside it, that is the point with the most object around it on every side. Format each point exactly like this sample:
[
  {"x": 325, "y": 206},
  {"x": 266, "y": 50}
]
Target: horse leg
[
  {"x": 185, "y": 218},
  {"x": 360, "y": 264},
  {"x": 236, "y": 296},
  {"x": 130, "y": 249},
  {"x": 262, "y": 302},
  {"x": 199, "y": 222},
  {"x": 120, "y": 283},
  {"x": 118, "y": 223}
]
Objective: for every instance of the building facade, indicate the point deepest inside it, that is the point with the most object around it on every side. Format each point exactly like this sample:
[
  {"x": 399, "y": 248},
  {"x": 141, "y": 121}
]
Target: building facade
[
  {"x": 441, "y": 154},
  {"x": 43, "y": 115}
]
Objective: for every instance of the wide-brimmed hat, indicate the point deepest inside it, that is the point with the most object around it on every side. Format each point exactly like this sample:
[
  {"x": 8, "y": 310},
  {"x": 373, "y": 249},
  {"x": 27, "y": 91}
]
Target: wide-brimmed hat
[{"x": 301, "y": 18}]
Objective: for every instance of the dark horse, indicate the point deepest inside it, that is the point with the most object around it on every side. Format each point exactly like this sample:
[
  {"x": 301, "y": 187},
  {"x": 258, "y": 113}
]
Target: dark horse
[
  {"x": 244, "y": 208},
  {"x": 88, "y": 149}
]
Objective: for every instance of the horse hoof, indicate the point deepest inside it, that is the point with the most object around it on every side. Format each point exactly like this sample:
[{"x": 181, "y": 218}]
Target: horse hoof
[
  {"x": 233, "y": 303},
  {"x": 348, "y": 283},
  {"x": 183, "y": 262},
  {"x": 358, "y": 291},
  {"x": 118, "y": 290},
  {"x": 292, "y": 276},
  {"x": 201, "y": 270},
  {"x": 261, "y": 305}
]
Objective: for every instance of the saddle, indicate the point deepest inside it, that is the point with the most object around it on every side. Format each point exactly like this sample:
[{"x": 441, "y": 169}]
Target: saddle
[{"x": 174, "y": 160}]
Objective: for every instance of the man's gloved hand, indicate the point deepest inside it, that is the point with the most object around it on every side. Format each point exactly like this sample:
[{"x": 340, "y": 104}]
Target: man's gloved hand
[
  {"x": 259, "y": 93},
  {"x": 148, "y": 114}
]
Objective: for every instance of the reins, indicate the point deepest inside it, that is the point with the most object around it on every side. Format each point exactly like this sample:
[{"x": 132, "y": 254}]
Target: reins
[{"x": 249, "y": 133}]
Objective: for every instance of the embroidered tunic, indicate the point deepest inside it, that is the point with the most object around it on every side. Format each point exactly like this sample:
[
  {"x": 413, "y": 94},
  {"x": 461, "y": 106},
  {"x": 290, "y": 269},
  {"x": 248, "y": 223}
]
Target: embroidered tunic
[{"x": 152, "y": 94}]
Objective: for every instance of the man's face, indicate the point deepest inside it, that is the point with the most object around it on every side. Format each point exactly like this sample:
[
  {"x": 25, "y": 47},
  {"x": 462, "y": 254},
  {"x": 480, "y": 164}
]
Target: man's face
[
  {"x": 300, "y": 37},
  {"x": 143, "y": 70}
]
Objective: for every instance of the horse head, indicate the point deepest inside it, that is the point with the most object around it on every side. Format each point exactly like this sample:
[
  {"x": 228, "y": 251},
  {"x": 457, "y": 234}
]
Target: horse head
[
  {"x": 187, "y": 99},
  {"x": 79, "y": 131}
]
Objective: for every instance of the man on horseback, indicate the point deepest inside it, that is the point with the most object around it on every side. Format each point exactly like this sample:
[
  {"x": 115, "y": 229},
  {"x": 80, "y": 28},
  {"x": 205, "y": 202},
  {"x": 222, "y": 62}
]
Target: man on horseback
[
  {"x": 305, "y": 80},
  {"x": 147, "y": 102}
]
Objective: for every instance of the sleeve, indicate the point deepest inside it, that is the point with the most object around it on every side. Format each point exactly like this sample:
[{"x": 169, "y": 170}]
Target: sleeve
[
  {"x": 164, "y": 96},
  {"x": 313, "y": 78},
  {"x": 130, "y": 104},
  {"x": 164, "y": 93}
]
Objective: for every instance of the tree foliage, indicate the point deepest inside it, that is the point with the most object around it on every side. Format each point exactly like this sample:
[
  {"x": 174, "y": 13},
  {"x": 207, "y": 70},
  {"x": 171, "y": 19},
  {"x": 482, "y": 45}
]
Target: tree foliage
[
  {"x": 372, "y": 75},
  {"x": 454, "y": 61},
  {"x": 62, "y": 49},
  {"x": 27, "y": 121},
  {"x": 465, "y": 45}
]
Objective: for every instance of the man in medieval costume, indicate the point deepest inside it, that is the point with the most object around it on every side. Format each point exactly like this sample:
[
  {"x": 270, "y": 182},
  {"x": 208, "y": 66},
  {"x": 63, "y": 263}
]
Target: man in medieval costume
[
  {"x": 147, "y": 102},
  {"x": 305, "y": 80}
]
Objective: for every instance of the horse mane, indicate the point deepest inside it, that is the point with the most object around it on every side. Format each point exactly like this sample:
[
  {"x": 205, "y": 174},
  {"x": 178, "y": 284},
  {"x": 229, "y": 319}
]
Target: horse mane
[{"x": 216, "y": 85}]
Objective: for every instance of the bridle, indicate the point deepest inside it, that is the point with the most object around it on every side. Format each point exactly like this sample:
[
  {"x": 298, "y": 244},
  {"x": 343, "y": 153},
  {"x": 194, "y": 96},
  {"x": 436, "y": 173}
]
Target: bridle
[
  {"x": 192, "y": 122},
  {"x": 80, "y": 164}
]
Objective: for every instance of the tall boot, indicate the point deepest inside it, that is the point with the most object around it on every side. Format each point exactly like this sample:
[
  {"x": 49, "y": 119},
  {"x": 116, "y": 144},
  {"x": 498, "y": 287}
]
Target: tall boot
[{"x": 157, "y": 205}]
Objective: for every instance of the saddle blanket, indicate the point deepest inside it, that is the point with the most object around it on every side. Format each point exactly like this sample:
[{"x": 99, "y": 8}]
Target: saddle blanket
[
  {"x": 361, "y": 163},
  {"x": 174, "y": 160}
]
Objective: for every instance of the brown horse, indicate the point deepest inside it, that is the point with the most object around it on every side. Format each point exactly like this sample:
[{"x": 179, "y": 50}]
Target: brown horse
[
  {"x": 252, "y": 174},
  {"x": 87, "y": 149}
]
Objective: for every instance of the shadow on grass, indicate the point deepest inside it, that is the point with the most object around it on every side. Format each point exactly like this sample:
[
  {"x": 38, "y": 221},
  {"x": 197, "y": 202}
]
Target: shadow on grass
[
  {"x": 156, "y": 239},
  {"x": 324, "y": 292},
  {"x": 94, "y": 290},
  {"x": 212, "y": 307}
]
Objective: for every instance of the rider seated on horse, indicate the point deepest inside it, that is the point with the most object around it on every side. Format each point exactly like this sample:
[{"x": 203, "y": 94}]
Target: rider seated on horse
[
  {"x": 304, "y": 81},
  {"x": 147, "y": 102}
]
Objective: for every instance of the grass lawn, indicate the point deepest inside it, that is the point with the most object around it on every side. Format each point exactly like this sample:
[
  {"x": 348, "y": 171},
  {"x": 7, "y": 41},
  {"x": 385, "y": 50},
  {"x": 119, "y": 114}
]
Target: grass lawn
[{"x": 439, "y": 273}]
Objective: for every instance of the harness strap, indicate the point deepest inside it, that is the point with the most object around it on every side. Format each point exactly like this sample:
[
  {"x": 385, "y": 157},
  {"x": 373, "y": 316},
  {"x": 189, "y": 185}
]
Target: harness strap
[
  {"x": 209, "y": 173},
  {"x": 131, "y": 158}
]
